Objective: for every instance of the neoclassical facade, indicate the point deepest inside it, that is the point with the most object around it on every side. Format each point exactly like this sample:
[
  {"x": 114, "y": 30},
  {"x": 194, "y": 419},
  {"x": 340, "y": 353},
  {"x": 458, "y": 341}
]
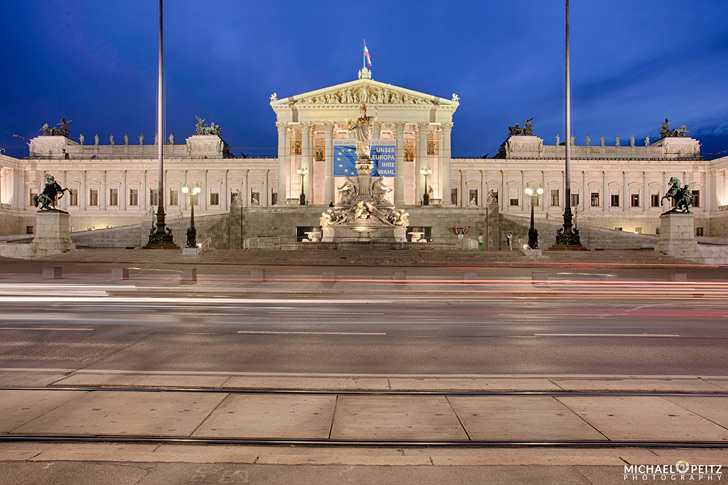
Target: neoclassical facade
[{"x": 614, "y": 185}]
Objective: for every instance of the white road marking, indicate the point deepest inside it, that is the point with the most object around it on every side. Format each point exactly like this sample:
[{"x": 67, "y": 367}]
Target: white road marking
[
  {"x": 267, "y": 332},
  {"x": 51, "y": 329},
  {"x": 605, "y": 335}
]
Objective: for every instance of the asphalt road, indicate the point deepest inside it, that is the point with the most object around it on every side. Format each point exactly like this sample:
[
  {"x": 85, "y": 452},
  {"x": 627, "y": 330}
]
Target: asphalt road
[{"x": 485, "y": 331}]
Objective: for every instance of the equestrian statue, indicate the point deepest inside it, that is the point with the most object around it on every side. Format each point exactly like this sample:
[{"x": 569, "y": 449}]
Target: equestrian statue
[{"x": 681, "y": 197}]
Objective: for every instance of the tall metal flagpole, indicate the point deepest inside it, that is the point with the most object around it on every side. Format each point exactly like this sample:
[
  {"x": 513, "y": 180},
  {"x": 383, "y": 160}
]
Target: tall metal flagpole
[
  {"x": 364, "y": 53},
  {"x": 160, "y": 238},
  {"x": 567, "y": 238}
]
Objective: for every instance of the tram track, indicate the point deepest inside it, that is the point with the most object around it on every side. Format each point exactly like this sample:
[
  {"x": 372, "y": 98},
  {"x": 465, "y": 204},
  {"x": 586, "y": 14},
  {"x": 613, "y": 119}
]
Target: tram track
[{"x": 110, "y": 393}]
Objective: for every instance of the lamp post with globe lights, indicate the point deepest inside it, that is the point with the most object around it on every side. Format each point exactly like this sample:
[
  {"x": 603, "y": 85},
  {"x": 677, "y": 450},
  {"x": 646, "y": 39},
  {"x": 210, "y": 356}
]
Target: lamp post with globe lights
[
  {"x": 302, "y": 198},
  {"x": 192, "y": 232},
  {"x": 532, "y": 232},
  {"x": 426, "y": 196}
]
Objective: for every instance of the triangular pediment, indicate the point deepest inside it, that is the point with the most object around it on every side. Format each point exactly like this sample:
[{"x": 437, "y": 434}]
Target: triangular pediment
[{"x": 363, "y": 91}]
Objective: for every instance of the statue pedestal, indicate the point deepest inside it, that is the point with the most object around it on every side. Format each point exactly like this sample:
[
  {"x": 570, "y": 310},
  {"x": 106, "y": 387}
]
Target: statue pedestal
[
  {"x": 52, "y": 234},
  {"x": 677, "y": 236}
]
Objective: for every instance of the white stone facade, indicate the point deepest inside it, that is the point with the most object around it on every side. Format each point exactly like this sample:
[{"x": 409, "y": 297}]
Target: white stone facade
[{"x": 617, "y": 186}]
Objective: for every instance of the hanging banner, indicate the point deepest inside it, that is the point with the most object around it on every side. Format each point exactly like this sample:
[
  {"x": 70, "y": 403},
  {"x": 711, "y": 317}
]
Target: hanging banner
[{"x": 383, "y": 155}]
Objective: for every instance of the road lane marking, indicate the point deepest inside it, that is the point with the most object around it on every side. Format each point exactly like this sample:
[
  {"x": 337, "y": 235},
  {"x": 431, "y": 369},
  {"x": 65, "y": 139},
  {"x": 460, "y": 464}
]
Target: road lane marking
[
  {"x": 271, "y": 332},
  {"x": 51, "y": 329},
  {"x": 605, "y": 335}
]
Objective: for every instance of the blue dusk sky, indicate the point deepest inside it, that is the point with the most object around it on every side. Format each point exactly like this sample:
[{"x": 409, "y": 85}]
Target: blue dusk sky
[{"x": 633, "y": 64}]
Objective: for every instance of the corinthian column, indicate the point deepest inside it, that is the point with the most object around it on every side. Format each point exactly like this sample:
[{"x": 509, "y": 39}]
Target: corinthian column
[
  {"x": 421, "y": 160},
  {"x": 399, "y": 167},
  {"x": 306, "y": 159},
  {"x": 329, "y": 163},
  {"x": 447, "y": 157},
  {"x": 282, "y": 163}
]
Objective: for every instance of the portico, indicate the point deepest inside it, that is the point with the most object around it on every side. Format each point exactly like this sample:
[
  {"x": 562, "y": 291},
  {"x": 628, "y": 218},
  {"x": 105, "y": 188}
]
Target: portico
[{"x": 308, "y": 125}]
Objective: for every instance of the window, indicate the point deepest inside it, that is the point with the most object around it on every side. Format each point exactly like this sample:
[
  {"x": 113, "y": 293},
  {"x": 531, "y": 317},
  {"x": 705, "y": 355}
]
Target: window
[
  {"x": 433, "y": 147},
  {"x": 214, "y": 198},
  {"x": 29, "y": 229},
  {"x": 113, "y": 196},
  {"x": 473, "y": 197},
  {"x": 514, "y": 202},
  {"x": 635, "y": 200},
  {"x": 73, "y": 197},
  {"x": 153, "y": 196},
  {"x": 638, "y": 230},
  {"x": 255, "y": 198},
  {"x": 615, "y": 201},
  {"x": 617, "y": 228},
  {"x": 696, "y": 198},
  {"x": 93, "y": 197},
  {"x": 595, "y": 199},
  {"x": 454, "y": 196},
  {"x": 296, "y": 143},
  {"x": 655, "y": 200},
  {"x": 274, "y": 198},
  {"x": 173, "y": 197},
  {"x": 133, "y": 197},
  {"x": 574, "y": 200},
  {"x": 698, "y": 231},
  {"x": 33, "y": 195},
  {"x": 555, "y": 198}
]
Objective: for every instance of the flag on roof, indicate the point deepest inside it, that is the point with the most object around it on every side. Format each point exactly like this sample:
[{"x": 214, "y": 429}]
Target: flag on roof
[{"x": 366, "y": 54}]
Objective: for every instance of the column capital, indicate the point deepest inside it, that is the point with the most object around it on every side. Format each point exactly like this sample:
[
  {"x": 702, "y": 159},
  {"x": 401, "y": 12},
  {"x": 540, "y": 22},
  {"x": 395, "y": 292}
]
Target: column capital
[
  {"x": 306, "y": 125},
  {"x": 446, "y": 126},
  {"x": 423, "y": 125},
  {"x": 281, "y": 125},
  {"x": 399, "y": 126},
  {"x": 329, "y": 126}
]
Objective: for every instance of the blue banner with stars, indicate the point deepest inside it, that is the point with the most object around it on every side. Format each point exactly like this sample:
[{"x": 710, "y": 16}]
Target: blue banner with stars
[{"x": 344, "y": 160}]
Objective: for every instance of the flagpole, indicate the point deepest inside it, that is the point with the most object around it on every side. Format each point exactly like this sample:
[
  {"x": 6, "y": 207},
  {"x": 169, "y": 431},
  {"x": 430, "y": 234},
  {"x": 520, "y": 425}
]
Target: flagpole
[
  {"x": 567, "y": 237},
  {"x": 363, "y": 54}
]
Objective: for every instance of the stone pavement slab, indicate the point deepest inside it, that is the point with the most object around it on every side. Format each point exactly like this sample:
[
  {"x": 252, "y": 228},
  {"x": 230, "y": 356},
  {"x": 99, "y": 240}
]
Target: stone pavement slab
[
  {"x": 30, "y": 379},
  {"x": 722, "y": 383},
  {"x": 308, "y": 383},
  {"x": 19, "y": 407},
  {"x": 142, "y": 380},
  {"x": 271, "y": 416},
  {"x": 126, "y": 413},
  {"x": 640, "y": 418},
  {"x": 711, "y": 408},
  {"x": 427, "y": 418},
  {"x": 638, "y": 385},
  {"x": 474, "y": 384},
  {"x": 520, "y": 418}
]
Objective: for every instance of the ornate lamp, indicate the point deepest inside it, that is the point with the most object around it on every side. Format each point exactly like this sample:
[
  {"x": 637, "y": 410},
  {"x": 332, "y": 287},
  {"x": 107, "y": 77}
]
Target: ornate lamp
[
  {"x": 302, "y": 198},
  {"x": 192, "y": 232},
  {"x": 426, "y": 196},
  {"x": 532, "y": 232}
]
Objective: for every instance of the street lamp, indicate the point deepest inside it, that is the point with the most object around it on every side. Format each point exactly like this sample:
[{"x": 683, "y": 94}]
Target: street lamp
[
  {"x": 191, "y": 231},
  {"x": 532, "y": 232},
  {"x": 426, "y": 196},
  {"x": 302, "y": 198}
]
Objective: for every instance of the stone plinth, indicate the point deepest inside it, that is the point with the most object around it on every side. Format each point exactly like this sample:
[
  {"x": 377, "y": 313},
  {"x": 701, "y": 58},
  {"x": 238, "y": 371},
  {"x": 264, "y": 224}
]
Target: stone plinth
[
  {"x": 677, "y": 236},
  {"x": 523, "y": 146},
  {"x": 346, "y": 233},
  {"x": 206, "y": 146},
  {"x": 52, "y": 234}
]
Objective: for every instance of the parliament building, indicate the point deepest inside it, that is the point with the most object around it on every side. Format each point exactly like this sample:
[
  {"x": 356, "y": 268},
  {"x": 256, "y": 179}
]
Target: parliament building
[{"x": 614, "y": 186}]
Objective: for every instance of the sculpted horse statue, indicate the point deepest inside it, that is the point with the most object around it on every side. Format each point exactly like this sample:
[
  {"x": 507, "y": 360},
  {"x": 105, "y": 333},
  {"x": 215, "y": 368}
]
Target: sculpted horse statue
[
  {"x": 682, "y": 197},
  {"x": 51, "y": 193}
]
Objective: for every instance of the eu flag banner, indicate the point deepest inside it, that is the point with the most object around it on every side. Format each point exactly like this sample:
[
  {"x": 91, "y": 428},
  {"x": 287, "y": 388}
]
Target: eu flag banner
[{"x": 344, "y": 160}]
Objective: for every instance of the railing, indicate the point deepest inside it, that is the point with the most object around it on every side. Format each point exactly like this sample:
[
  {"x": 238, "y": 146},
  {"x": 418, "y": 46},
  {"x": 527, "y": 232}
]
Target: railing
[{"x": 205, "y": 244}]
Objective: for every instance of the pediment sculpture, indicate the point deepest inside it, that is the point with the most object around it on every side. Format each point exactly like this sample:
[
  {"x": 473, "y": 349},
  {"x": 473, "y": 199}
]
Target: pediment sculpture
[{"x": 365, "y": 94}]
